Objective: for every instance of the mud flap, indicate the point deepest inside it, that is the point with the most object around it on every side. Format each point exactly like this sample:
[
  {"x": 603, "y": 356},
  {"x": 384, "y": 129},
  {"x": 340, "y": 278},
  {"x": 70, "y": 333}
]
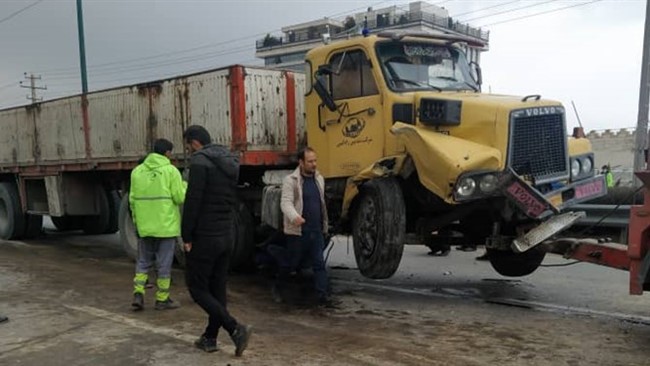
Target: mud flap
[
  {"x": 545, "y": 230},
  {"x": 643, "y": 276}
]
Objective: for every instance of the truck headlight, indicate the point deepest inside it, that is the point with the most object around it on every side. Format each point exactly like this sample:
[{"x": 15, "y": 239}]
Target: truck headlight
[
  {"x": 488, "y": 183},
  {"x": 575, "y": 167},
  {"x": 466, "y": 187},
  {"x": 587, "y": 165},
  {"x": 582, "y": 167}
]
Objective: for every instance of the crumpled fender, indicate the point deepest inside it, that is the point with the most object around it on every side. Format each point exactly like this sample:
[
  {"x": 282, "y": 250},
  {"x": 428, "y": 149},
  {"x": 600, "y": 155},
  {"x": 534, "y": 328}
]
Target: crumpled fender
[
  {"x": 388, "y": 166},
  {"x": 440, "y": 159}
]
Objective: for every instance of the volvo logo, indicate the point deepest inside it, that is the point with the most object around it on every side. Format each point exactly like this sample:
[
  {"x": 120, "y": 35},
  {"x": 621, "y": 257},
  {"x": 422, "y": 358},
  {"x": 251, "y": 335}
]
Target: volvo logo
[
  {"x": 542, "y": 111},
  {"x": 538, "y": 111}
]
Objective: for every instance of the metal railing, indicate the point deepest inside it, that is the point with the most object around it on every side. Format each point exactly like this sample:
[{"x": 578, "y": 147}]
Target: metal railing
[{"x": 397, "y": 20}]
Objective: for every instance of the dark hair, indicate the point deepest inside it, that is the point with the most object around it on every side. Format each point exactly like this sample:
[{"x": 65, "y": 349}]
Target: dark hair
[
  {"x": 303, "y": 151},
  {"x": 161, "y": 146},
  {"x": 198, "y": 133}
]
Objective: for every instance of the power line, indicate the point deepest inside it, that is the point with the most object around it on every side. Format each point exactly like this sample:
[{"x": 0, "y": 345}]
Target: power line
[
  {"x": 147, "y": 66},
  {"x": 511, "y": 10},
  {"x": 20, "y": 11},
  {"x": 486, "y": 8},
  {"x": 183, "y": 51},
  {"x": 15, "y": 83},
  {"x": 541, "y": 13}
]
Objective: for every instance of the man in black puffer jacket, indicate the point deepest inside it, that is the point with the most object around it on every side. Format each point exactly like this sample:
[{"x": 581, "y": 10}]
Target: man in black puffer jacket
[{"x": 208, "y": 234}]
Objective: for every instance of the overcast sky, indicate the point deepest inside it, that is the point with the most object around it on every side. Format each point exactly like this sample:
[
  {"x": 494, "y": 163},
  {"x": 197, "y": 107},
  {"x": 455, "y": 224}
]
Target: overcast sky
[{"x": 589, "y": 54}]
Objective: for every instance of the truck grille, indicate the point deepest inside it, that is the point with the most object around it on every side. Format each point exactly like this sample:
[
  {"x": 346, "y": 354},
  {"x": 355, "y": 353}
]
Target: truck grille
[{"x": 538, "y": 144}]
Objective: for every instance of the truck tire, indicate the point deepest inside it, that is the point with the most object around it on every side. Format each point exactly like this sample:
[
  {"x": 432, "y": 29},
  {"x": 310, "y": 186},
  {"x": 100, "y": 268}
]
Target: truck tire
[
  {"x": 379, "y": 226},
  {"x": 114, "y": 201},
  {"x": 98, "y": 224},
  {"x": 511, "y": 264},
  {"x": 33, "y": 226},
  {"x": 242, "y": 255},
  {"x": 128, "y": 234},
  {"x": 67, "y": 223},
  {"x": 12, "y": 219}
]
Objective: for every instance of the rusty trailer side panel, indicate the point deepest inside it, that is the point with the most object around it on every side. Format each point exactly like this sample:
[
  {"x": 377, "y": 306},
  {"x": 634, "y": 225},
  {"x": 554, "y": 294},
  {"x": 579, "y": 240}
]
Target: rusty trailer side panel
[{"x": 256, "y": 111}]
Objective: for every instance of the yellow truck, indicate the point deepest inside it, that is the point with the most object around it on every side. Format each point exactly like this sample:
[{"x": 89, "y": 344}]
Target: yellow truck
[
  {"x": 411, "y": 149},
  {"x": 410, "y": 145}
]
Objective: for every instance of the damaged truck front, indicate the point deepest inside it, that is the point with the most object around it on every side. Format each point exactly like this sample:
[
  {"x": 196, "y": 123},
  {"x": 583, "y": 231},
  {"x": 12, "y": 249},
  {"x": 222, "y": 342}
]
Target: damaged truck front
[{"x": 413, "y": 151}]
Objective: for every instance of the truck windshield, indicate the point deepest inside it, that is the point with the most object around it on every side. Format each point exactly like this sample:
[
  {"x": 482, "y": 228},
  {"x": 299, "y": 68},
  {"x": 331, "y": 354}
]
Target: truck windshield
[{"x": 420, "y": 66}]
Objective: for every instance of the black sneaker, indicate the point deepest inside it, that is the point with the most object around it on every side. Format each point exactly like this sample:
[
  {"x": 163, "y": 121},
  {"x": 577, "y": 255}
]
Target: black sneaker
[
  {"x": 328, "y": 302},
  {"x": 138, "y": 302},
  {"x": 206, "y": 344},
  {"x": 3, "y": 319},
  {"x": 240, "y": 337},
  {"x": 167, "y": 304}
]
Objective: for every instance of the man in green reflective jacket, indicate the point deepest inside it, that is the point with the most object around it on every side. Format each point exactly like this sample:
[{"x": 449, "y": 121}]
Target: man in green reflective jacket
[{"x": 157, "y": 191}]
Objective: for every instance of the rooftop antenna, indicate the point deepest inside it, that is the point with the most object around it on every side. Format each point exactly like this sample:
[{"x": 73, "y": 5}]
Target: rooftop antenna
[{"x": 578, "y": 132}]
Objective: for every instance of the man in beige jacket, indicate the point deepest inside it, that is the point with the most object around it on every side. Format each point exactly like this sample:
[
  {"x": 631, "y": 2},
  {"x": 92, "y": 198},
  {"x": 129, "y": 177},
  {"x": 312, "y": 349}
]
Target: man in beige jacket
[{"x": 305, "y": 222}]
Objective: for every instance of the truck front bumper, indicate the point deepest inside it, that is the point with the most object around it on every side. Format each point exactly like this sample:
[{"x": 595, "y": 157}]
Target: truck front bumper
[
  {"x": 538, "y": 205},
  {"x": 547, "y": 207}
]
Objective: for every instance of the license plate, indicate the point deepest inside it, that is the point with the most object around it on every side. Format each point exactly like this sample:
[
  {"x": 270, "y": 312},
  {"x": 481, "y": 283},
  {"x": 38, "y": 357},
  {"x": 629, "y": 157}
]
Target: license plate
[
  {"x": 526, "y": 200},
  {"x": 589, "y": 189}
]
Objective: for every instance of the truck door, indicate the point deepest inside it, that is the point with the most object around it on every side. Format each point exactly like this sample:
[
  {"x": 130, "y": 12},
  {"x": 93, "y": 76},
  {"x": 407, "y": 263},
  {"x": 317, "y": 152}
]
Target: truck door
[{"x": 351, "y": 138}]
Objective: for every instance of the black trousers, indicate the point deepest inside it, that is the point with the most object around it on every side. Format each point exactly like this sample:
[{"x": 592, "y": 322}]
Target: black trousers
[{"x": 206, "y": 276}]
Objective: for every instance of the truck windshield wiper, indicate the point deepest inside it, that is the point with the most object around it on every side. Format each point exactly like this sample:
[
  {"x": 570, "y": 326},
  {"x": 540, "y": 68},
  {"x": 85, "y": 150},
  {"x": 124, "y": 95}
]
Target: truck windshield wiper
[
  {"x": 458, "y": 81},
  {"x": 417, "y": 83}
]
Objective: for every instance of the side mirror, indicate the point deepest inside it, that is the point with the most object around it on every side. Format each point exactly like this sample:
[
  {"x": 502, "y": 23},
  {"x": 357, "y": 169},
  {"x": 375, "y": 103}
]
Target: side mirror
[
  {"x": 321, "y": 90},
  {"x": 324, "y": 70}
]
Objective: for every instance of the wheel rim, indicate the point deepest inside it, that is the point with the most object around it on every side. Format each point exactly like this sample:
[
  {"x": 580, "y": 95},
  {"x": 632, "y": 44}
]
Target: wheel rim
[
  {"x": 368, "y": 227},
  {"x": 4, "y": 217}
]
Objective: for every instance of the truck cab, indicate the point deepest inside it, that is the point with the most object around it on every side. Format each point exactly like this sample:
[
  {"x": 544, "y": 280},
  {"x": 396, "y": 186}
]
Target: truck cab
[{"x": 412, "y": 150}]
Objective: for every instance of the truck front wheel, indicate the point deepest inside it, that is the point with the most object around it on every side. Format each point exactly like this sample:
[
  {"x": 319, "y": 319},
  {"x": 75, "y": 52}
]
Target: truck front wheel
[
  {"x": 511, "y": 264},
  {"x": 379, "y": 226},
  {"x": 12, "y": 219}
]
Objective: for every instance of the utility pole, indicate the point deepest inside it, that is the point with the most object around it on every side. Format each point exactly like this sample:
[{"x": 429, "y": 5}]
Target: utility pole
[
  {"x": 32, "y": 85},
  {"x": 82, "y": 48},
  {"x": 644, "y": 100}
]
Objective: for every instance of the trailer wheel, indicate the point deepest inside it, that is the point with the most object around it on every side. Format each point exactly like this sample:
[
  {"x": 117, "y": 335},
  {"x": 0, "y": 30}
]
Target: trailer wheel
[
  {"x": 128, "y": 234},
  {"x": 511, "y": 264},
  {"x": 67, "y": 223},
  {"x": 33, "y": 226},
  {"x": 98, "y": 224},
  {"x": 242, "y": 256},
  {"x": 12, "y": 219},
  {"x": 379, "y": 227}
]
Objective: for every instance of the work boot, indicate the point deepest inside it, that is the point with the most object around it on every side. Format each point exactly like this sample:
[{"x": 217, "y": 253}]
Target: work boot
[
  {"x": 206, "y": 344},
  {"x": 138, "y": 302},
  {"x": 240, "y": 337},
  {"x": 167, "y": 304},
  {"x": 328, "y": 302}
]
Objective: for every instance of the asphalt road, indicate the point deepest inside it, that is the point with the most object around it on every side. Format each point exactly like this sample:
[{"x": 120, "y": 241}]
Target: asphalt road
[
  {"x": 580, "y": 288},
  {"x": 67, "y": 297}
]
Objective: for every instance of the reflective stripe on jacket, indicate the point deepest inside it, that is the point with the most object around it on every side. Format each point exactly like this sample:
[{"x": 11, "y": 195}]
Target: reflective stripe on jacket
[{"x": 157, "y": 191}]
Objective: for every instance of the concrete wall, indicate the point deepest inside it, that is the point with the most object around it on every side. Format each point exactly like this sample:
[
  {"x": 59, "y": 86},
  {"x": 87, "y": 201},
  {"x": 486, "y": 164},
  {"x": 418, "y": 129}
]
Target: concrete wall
[{"x": 616, "y": 148}]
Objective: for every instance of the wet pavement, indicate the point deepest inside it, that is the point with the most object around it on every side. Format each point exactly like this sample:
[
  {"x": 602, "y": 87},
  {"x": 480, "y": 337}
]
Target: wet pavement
[{"x": 68, "y": 301}]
